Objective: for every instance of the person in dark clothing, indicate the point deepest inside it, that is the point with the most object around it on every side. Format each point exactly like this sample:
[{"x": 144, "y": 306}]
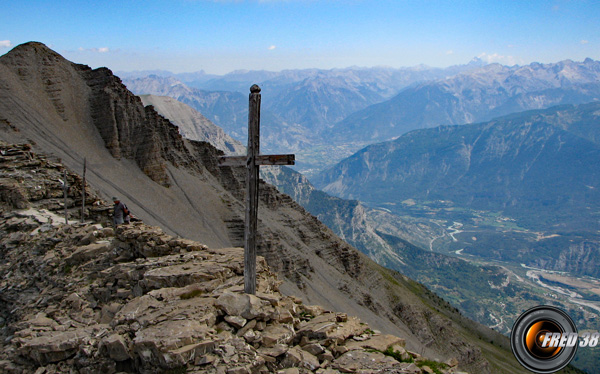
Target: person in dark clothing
[{"x": 120, "y": 213}]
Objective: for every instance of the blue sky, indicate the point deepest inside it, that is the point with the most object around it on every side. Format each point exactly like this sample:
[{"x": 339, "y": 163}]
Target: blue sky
[{"x": 222, "y": 36}]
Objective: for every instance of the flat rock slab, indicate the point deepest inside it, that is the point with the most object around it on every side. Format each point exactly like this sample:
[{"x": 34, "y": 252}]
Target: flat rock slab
[
  {"x": 136, "y": 308},
  {"x": 366, "y": 362},
  {"x": 274, "y": 351},
  {"x": 170, "y": 343},
  {"x": 326, "y": 327},
  {"x": 185, "y": 274},
  {"x": 377, "y": 342},
  {"x": 171, "y": 334},
  {"x": 147, "y": 312},
  {"x": 55, "y": 347},
  {"x": 88, "y": 252}
]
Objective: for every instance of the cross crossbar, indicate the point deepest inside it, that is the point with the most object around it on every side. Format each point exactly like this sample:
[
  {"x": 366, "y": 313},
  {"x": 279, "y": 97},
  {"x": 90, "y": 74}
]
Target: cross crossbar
[{"x": 260, "y": 160}]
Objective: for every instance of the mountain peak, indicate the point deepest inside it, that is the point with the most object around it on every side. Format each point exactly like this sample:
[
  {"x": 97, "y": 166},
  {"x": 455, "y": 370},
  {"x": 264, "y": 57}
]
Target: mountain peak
[
  {"x": 476, "y": 61},
  {"x": 32, "y": 46},
  {"x": 31, "y": 54}
]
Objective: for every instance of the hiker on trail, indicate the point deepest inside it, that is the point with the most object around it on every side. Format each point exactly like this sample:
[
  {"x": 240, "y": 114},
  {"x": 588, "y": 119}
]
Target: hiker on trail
[{"x": 121, "y": 213}]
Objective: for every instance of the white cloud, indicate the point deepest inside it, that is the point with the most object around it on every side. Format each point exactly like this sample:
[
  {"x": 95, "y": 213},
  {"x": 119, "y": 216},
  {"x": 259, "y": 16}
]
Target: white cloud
[
  {"x": 584, "y": 41},
  {"x": 98, "y": 50},
  {"x": 493, "y": 58},
  {"x": 450, "y": 52},
  {"x": 5, "y": 44},
  {"x": 272, "y": 47}
]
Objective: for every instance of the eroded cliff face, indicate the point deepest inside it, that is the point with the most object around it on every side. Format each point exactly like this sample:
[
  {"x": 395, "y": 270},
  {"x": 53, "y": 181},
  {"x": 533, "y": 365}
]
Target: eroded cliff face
[
  {"x": 131, "y": 131},
  {"x": 206, "y": 202},
  {"x": 578, "y": 258},
  {"x": 81, "y": 95}
]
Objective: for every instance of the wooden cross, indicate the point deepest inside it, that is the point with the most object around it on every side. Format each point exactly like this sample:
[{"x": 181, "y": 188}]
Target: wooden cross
[{"x": 252, "y": 161}]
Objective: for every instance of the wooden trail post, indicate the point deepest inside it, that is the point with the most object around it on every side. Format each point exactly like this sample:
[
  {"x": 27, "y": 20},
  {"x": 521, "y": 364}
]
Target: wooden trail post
[
  {"x": 252, "y": 161},
  {"x": 83, "y": 191},
  {"x": 65, "y": 188}
]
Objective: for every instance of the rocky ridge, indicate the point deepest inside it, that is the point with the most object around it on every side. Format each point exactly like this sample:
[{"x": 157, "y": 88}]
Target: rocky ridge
[{"x": 83, "y": 297}]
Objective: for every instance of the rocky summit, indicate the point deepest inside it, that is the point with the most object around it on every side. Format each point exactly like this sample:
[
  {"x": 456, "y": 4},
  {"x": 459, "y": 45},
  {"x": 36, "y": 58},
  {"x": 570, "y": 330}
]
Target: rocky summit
[{"x": 83, "y": 297}]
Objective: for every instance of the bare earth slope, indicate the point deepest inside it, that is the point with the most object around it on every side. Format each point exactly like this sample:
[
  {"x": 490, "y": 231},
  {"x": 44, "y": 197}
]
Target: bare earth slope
[{"x": 72, "y": 112}]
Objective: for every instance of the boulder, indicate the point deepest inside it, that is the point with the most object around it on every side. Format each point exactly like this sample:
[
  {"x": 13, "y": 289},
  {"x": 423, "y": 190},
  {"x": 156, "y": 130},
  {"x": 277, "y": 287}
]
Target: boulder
[
  {"x": 54, "y": 347},
  {"x": 116, "y": 347},
  {"x": 236, "y": 321},
  {"x": 274, "y": 351},
  {"x": 314, "y": 349},
  {"x": 168, "y": 344},
  {"x": 275, "y": 334},
  {"x": 244, "y": 305},
  {"x": 88, "y": 252},
  {"x": 296, "y": 357},
  {"x": 327, "y": 328}
]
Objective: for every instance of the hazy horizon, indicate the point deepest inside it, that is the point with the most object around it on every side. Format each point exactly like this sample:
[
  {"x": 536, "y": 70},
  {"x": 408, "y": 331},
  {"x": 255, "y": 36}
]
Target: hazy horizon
[
  {"x": 222, "y": 36},
  {"x": 242, "y": 71}
]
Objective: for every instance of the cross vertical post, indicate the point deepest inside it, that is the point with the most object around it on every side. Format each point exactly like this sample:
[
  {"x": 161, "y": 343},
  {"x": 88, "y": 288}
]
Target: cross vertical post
[
  {"x": 252, "y": 161},
  {"x": 252, "y": 191}
]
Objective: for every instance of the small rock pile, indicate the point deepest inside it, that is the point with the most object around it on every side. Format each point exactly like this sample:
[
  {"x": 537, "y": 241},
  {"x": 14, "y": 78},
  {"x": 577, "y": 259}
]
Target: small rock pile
[
  {"x": 28, "y": 180},
  {"x": 85, "y": 298}
]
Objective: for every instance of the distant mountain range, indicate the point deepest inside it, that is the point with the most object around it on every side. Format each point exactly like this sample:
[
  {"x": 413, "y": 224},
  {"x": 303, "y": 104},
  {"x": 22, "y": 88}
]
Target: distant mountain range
[
  {"x": 276, "y": 82},
  {"x": 473, "y": 96},
  {"x": 518, "y": 164},
  {"x": 326, "y": 115},
  {"x": 298, "y": 105}
]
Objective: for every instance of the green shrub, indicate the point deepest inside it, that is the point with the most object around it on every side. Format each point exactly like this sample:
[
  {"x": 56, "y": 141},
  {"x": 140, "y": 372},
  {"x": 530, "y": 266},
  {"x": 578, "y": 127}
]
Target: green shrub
[
  {"x": 397, "y": 355},
  {"x": 437, "y": 367}
]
